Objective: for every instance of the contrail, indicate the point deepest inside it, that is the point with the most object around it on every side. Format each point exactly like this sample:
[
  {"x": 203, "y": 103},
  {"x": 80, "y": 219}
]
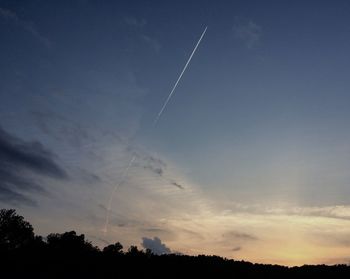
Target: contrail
[
  {"x": 125, "y": 173},
  {"x": 180, "y": 76}
]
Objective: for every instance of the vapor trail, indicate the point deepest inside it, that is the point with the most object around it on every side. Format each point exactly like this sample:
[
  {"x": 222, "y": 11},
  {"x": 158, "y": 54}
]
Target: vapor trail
[
  {"x": 125, "y": 173},
  {"x": 183, "y": 70}
]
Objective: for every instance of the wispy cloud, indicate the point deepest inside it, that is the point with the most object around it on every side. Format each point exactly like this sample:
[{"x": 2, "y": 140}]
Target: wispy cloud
[
  {"x": 156, "y": 166},
  {"x": 152, "y": 42},
  {"x": 135, "y": 22},
  {"x": 178, "y": 185},
  {"x": 333, "y": 211},
  {"x": 158, "y": 171},
  {"x": 139, "y": 24},
  {"x": 329, "y": 238},
  {"x": 237, "y": 248},
  {"x": 336, "y": 211},
  {"x": 61, "y": 128},
  {"x": 19, "y": 159},
  {"x": 26, "y": 25},
  {"x": 247, "y": 31},
  {"x": 240, "y": 235}
]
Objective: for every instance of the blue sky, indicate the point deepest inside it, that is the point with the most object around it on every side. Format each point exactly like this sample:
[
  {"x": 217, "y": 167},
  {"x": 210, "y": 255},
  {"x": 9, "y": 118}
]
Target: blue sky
[{"x": 257, "y": 126}]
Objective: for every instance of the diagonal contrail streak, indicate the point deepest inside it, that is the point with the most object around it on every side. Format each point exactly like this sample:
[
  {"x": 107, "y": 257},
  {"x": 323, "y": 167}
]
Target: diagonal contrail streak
[
  {"x": 176, "y": 83},
  {"x": 125, "y": 173}
]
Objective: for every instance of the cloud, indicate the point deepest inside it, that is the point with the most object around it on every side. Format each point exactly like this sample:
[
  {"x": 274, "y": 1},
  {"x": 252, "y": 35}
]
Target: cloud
[
  {"x": 329, "y": 238},
  {"x": 155, "y": 245},
  {"x": 157, "y": 166},
  {"x": 19, "y": 160},
  {"x": 336, "y": 211},
  {"x": 60, "y": 128},
  {"x": 10, "y": 196},
  {"x": 237, "y": 248},
  {"x": 157, "y": 170},
  {"x": 26, "y": 25},
  {"x": 332, "y": 211},
  {"x": 135, "y": 22},
  {"x": 240, "y": 235},
  {"x": 88, "y": 177},
  {"x": 247, "y": 31},
  {"x": 155, "y": 160},
  {"x": 149, "y": 162},
  {"x": 30, "y": 155},
  {"x": 155, "y": 230},
  {"x": 178, "y": 185},
  {"x": 153, "y": 43}
]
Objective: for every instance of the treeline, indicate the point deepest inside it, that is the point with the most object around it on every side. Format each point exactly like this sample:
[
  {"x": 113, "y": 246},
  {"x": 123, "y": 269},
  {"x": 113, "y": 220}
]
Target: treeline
[{"x": 69, "y": 255}]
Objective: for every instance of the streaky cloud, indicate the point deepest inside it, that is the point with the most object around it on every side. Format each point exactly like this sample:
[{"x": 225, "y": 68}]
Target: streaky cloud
[{"x": 20, "y": 161}]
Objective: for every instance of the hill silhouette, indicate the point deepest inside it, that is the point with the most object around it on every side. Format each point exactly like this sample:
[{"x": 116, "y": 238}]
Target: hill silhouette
[{"x": 69, "y": 255}]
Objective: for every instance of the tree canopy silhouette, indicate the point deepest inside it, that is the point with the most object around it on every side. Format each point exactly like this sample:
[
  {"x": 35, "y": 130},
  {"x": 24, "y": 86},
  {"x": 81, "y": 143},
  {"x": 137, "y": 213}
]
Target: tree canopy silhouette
[
  {"x": 113, "y": 249},
  {"x": 69, "y": 242},
  {"x": 15, "y": 232},
  {"x": 70, "y": 255}
]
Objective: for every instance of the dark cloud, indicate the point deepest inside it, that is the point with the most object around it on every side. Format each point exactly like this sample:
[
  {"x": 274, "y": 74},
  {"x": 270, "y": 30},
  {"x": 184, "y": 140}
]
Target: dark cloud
[
  {"x": 157, "y": 170},
  {"x": 155, "y": 245},
  {"x": 154, "y": 160},
  {"x": 240, "y": 235},
  {"x": 29, "y": 155},
  {"x": 177, "y": 185},
  {"x": 237, "y": 248},
  {"x": 19, "y": 160},
  {"x": 101, "y": 206},
  {"x": 121, "y": 225},
  {"x": 147, "y": 161},
  {"x": 153, "y": 164},
  {"x": 10, "y": 196}
]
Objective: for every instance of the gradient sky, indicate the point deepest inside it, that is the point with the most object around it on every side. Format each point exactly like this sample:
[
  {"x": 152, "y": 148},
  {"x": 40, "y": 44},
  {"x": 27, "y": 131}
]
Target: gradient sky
[{"x": 250, "y": 159}]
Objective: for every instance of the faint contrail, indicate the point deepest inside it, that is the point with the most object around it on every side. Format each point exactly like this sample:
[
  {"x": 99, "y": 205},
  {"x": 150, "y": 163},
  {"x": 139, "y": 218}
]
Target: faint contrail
[
  {"x": 183, "y": 70},
  {"x": 125, "y": 173}
]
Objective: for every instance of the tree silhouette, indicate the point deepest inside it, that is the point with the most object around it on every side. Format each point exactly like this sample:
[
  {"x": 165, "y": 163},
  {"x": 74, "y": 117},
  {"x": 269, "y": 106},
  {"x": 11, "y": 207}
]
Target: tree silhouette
[
  {"x": 69, "y": 242},
  {"x": 134, "y": 251},
  {"x": 113, "y": 249},
  {"x": 15, "y": 232},
  {"x": 69, "y": 255}
]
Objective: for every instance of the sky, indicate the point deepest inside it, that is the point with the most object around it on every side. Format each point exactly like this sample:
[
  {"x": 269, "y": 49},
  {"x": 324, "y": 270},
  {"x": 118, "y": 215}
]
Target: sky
[{"x": 249, "y": 160}]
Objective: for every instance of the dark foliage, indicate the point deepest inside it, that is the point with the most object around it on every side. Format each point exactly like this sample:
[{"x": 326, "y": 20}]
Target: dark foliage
[
  {"x": 15, "y": 233},
  {"x": 113, "y": 249},
  {"x": 68, "y": 255}
]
